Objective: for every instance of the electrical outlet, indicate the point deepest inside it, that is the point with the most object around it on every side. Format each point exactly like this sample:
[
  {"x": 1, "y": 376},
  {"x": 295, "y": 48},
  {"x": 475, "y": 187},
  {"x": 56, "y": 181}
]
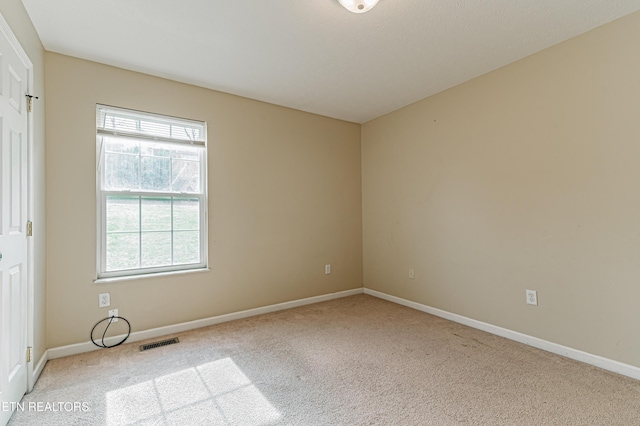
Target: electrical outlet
[
  {"x": 104, "y": 300},
  {"x": 113, "y": 313},
  {"x": 327, "y": 269},
  {"x": 532, "y": 297},
  {"x": 412, "y": 274}
]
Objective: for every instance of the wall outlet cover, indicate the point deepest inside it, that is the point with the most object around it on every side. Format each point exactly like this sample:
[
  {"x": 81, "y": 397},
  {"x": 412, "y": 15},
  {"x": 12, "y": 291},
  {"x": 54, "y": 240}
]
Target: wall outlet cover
[
  {"x": 113, "y": 313},
  {"x": 532, "y": 297},
  {"x": 104, "y": 300}
]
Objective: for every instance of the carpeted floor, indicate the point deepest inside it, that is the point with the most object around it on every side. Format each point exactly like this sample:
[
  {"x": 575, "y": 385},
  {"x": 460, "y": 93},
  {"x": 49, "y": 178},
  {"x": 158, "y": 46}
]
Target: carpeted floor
[{"x": 352, "y": 361}]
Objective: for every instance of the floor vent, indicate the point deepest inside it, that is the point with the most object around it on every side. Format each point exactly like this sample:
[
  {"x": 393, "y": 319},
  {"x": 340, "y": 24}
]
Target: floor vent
[{"x": 159, "y": 344}]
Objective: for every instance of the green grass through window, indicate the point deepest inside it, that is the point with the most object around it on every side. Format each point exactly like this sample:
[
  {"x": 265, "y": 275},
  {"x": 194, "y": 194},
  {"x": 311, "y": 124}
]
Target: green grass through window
[{"x": 145, "y": 232}]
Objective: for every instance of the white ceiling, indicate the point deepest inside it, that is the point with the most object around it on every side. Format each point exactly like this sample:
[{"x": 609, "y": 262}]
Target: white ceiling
[{"x": 314, "y": 55}]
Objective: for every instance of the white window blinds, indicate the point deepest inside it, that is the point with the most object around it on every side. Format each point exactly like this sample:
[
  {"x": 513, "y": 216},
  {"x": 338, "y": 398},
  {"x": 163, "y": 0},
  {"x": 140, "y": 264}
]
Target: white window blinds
[{"x": 128, "y": 123}]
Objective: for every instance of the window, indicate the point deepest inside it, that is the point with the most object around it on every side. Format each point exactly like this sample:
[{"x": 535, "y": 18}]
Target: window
[{"x": 151, "y": 182}]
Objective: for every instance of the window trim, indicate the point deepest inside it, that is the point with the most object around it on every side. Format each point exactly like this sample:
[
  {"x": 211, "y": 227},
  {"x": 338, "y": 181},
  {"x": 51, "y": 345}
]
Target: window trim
[
  {"x": 101, "y": 196},
  {"x": 150, "y": 275}
]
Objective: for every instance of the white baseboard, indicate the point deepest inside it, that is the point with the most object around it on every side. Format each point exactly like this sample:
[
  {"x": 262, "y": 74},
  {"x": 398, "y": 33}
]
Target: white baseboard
[
  {"x": 578, "y": 355},
  {"x": 178, "y": 328},
  {"x": 37, "y": 369}
]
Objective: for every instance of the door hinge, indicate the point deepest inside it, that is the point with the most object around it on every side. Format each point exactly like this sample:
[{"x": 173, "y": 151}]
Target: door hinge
[
  {"x": 29, "y": 353},
  {"x": 29, "y": 229},
  {"x": 30, "y": 99}
]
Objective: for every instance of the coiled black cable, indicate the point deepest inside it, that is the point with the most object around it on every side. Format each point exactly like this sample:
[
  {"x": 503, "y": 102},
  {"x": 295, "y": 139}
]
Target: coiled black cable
[{"x": 110, "y": 319}]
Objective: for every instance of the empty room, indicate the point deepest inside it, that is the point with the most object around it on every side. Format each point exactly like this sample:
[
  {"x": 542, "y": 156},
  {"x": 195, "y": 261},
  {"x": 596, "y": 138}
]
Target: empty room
[{"x": 319, "y": 212}]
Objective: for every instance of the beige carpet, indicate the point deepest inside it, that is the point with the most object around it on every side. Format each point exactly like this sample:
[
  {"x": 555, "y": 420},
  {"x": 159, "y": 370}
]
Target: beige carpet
[{"x": 352, "y": 361}]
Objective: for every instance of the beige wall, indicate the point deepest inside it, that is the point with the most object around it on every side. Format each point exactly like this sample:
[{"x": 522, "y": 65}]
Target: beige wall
[
  {"x": 16, "y": 16},
  {"x": 525, "y": 178},
  {"x": 284, "y": 200}
]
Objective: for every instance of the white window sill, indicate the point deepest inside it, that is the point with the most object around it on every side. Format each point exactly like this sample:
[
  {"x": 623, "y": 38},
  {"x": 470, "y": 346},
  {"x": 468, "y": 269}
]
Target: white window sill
[{"x": 147, "y": 276}]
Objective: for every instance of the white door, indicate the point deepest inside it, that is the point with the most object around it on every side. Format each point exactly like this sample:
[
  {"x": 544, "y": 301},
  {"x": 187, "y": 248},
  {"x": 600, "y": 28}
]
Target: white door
[{"x": 13, "y": 223}]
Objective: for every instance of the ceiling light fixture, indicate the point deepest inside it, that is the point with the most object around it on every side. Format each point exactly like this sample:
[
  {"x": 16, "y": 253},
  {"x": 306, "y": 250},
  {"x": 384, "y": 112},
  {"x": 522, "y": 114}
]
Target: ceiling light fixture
[{"x": 358, "y": 6}]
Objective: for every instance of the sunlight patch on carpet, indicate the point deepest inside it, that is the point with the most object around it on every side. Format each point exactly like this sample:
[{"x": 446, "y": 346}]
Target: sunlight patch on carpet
[{"x": 214, "y": 393}]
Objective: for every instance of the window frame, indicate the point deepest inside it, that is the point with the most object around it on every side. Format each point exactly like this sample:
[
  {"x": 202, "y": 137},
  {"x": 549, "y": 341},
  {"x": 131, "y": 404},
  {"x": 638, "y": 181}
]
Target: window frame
[{"x": 101, "y": 198}]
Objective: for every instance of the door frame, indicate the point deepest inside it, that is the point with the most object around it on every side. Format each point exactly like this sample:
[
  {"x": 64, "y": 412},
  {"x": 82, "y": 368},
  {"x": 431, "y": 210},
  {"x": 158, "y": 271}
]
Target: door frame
[{"x": 7, "y": 33}]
